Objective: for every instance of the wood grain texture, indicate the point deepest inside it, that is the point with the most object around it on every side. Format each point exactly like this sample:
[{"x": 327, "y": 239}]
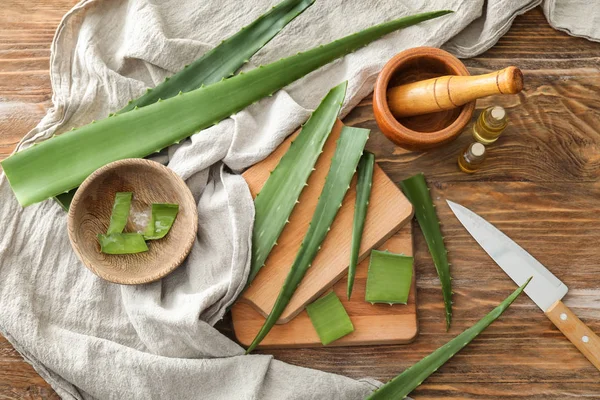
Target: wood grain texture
[
  {"x": 388, "y": 211},
  {"x": 150, "y": 182},
  {"x": 540, "y": 185},
  {"x": 373, "y": 323},
  {"x": 586, "y": 341}
]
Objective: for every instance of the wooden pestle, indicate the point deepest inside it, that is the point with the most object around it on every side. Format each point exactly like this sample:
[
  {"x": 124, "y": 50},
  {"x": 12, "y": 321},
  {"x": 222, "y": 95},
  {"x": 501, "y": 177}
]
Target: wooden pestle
[{"x": 447, "y": 92}]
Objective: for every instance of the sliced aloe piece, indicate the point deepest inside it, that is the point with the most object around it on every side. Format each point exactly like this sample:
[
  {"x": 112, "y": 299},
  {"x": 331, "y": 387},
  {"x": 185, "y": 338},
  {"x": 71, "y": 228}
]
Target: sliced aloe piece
[
  {"x": 406, "y": 382},
  {"x": 122, "y": 243},
  {"x": 330, "y": 319},
  {"x": 120, "y": 212},
  {"x": 162, "y": 218},
  {"x": 364, "y": 183},
  {"x": 416, "y": 190},
  {"x": 220, "y": 62},
  {"x": 343, "y": 165},
  {"x": 277, "y": 198},
  {"x": 61, "y": 163},
  {"x": 389, "y": 278}
]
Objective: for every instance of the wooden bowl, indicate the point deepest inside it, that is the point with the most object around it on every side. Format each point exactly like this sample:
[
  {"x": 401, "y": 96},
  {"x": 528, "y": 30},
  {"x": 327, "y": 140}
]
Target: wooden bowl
[
  {"x": 420, "y": 132},
  {"x": 150, "y": 182}
]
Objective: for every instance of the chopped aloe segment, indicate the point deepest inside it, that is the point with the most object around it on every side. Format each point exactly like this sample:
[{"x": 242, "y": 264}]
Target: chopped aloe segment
[
  {"x": 163, "y": 216},
  {"x": 120, "y": 212},
  {"x": 122, "y": 243},
  {"x": 389, "y": 278},
  {"x": 330, "y": 319},
  {"x": 407, "y": 381}
]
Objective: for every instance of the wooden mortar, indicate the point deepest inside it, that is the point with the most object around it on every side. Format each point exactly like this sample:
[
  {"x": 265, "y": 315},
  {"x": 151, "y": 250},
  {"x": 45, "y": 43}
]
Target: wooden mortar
[{"x": 424, "y": 97}]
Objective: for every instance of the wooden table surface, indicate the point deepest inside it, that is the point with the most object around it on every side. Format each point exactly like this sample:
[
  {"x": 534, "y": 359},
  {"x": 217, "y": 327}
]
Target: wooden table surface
[{"x": 540, "y": 185}]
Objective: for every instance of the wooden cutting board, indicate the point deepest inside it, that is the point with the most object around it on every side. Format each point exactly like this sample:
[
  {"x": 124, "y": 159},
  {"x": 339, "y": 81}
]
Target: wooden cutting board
[
  {"x": 388, "y": 211},
  {"x": 373, "y": 324}
]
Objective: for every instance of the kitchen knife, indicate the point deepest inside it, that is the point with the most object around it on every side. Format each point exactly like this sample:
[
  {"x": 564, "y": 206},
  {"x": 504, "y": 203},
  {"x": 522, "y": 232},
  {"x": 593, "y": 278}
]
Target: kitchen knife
[{"x": 545, "y": 289}]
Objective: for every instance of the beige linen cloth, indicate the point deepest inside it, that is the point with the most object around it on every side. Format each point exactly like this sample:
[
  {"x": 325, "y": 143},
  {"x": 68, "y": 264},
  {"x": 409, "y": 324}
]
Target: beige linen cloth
[{"x": 91, "y": 339}]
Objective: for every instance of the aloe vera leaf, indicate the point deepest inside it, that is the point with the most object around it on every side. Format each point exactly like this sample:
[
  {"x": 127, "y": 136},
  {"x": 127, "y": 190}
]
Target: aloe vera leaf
[
  {"x": 61, "y": 163},
  {"x": 416, "y": 190},
  {"x": 348, "y": 151},
  {"x": 281, "y": 191},
  {"x": 120, "y": 212},
  {"x": 363, "y": 193},
  {"x": 389, "y": 278},
  {"x": 218, "y": 63},
  {"x": 122, "y": 243},
  {"x": 225, "y": 59},
  {"x": 162, "y": 218},
  {"x": 330, "y": 319},
  {"x": 400, "y": 386}
]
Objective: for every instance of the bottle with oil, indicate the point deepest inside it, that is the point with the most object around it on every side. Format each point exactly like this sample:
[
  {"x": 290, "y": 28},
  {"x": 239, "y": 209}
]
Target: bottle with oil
[
  {"x": 472, "y": 157},
  {"x": 490, "y": 125}
]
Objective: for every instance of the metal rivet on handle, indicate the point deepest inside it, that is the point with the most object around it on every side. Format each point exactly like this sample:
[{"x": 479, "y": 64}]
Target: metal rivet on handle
[
  {"x": 585, "y": 339},
  {"x": 563, "y": 316}
]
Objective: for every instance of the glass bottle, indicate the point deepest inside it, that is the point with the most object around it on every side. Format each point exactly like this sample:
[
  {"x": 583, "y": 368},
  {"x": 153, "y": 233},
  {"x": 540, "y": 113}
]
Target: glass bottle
[
  {"x": 472, "y": 157},
  {"x": 490, "y": 125}
]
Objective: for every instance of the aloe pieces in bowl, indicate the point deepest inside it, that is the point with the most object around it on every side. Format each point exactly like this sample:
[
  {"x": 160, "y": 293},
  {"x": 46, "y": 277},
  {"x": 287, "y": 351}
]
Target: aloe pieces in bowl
[
  {"x": 416, "y": 190},
  {"x": 122, "y": 243},
  {"x": 61, "y": 163}
]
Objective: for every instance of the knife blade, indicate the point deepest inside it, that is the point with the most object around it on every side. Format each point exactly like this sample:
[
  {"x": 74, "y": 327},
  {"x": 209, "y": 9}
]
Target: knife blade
[{"x": 545, "y": 289}]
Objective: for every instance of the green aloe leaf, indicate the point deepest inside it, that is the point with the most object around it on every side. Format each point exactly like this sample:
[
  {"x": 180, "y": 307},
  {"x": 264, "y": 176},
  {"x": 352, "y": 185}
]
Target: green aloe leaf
[
  {"x": 61, "y": 163},
  {"x": 162, "y": 218},
  {"x": 389, "y": 278},
  {"x": 330, "y": 319},
  {"x": 349, "y": 149},
  {"x": 221, "y": 62},
  {"x": 120, "y": 212},
  {"x": 363, "y": 193},
  {"x": 416, "y": 190},
  {"x": 281, "y": 191},
  {"x": 406, "y": 382},
  {"x": 122, "y": 243}
]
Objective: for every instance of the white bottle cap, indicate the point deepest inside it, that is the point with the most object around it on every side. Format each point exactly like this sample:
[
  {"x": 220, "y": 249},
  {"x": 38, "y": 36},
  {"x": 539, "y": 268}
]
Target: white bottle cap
[
  {"x": 498, "y": 113},
  {"x": 477, "y": 149}
]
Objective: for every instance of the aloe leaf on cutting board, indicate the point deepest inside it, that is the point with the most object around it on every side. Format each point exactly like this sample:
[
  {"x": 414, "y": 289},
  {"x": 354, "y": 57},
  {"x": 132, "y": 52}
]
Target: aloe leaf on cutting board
[
  {"x": 162, "y": 218},
  {"x": 61, "y": 163},
  {"x": 277, "y": 198},
  {"x": 389, "y": 278},
  {"x": 221, "y": 62},
  {"x": 416, "y": 190},
  {"x": 364, "y": 184},
  {"x": 349, "y": 149},
  {"x": 329, "y": 318},
  {"x": 120, "y": 212},
  {"x": 122, "y": 243},
  {"x": 407, "y": 381}
]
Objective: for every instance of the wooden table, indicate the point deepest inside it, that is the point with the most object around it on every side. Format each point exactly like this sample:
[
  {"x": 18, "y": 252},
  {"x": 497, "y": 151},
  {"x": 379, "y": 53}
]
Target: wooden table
[{"x": 540, "y": 185}]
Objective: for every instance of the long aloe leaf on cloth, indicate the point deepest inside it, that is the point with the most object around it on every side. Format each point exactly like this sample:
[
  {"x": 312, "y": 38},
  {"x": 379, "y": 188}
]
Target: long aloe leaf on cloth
[
  {"x": 416, "y": 190},
  {"x": 349, "y": 149},
  {"x": 364, "y": 183},
  {"x": 218, "y": 63},
  {"x": 225, "y": 59},
  {"x": 281, "y": 191},
  {"x": 407, "y": 381},
  {"x": 61, "y": 163}
]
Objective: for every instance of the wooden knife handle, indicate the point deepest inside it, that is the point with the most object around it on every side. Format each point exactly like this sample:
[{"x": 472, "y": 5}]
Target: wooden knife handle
[
  {"x": 447, "y": 92},
  {"x": 576, "y": 331}
]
